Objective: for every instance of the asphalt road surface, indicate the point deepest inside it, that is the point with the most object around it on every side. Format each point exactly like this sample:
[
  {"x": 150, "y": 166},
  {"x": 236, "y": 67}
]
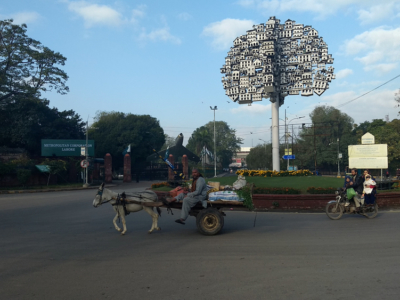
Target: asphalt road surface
[{"x": 57, "y": 246}]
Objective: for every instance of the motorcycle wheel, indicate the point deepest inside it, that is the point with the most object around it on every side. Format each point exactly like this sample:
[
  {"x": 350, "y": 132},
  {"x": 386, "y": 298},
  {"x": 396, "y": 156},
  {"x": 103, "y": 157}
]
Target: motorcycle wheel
[
  {"x": 371, "y": 212},
  {"x": 332, "y": 212}
]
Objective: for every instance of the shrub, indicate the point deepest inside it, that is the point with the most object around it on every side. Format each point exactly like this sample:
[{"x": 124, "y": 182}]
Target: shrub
[
  {"x": 159, "y": 184},
  {"x": 314, "y": 190},
  {"x": 282, "y": 190}
]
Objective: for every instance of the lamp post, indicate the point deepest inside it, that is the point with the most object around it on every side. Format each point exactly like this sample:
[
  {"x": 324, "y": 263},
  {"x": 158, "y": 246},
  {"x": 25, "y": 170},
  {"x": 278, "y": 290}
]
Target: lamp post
[
  {"x": 338, "y": 158},
  {"x": 86, "y": 155},
  {"x": 286, "y": 136},
  {"x": 215, "y": 151}
]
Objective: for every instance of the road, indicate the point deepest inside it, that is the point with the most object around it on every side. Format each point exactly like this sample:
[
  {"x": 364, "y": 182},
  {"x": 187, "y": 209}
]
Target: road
[{"x": 57, "y": 246}]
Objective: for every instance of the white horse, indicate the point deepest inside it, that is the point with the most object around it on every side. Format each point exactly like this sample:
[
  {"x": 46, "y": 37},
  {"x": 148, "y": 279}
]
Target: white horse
[{"x": 105, "y": 195}]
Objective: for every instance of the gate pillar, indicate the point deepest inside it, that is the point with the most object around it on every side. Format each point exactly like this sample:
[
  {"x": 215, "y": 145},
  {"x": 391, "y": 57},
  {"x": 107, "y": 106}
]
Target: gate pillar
[
  {"x": 127, "y": 168},
  {"x": 171, "y": 175},
  {"x": 108, "y": 168}
]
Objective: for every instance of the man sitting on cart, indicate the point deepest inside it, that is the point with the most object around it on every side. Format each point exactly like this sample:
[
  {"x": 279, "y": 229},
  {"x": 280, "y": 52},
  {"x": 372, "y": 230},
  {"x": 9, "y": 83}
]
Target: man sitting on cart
[{"x": 198, "y": 193}]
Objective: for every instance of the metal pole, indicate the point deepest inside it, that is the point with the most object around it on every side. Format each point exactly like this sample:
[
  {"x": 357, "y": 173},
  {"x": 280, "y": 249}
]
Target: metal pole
[
  {"x": 286, "y": 142},
  {"x": 338, "y": 167},
  {"x": 275, "y": 135},
  {"x": 215, "y": 151},
  {"x": 86, "y": 152}
]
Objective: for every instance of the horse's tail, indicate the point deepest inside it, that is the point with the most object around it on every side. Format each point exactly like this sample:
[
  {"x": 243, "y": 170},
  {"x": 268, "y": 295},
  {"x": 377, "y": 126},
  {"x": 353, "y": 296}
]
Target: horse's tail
[{"x": 159, "y": 211}]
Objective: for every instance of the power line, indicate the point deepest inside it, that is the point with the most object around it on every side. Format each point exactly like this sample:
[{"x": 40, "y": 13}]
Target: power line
[{"x": 343, "y": 104}]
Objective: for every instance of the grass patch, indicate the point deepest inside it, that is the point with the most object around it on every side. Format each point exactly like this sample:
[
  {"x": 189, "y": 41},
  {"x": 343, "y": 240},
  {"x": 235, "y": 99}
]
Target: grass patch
[
  {"x": 41, "y": 187},
  {"x": 301, "y": 183},
  {"x": 163, "y": 189}
]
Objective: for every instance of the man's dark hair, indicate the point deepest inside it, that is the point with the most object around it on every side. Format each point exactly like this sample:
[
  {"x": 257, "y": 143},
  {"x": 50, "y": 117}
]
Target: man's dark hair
[
  {"x": 197, "y": 172},
  {"x": 355, "y": 170}
]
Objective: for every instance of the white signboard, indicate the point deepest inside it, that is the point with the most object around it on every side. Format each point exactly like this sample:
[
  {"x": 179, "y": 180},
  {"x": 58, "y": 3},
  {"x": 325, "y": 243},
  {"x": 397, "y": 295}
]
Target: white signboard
[
  {"x": 367, "y": 139},
  {"x": 83, "y": 152},
  {"x": 372, "y": 156},
  {"x": 377, "y": 150},
  {"x": 368, "y": 162}
]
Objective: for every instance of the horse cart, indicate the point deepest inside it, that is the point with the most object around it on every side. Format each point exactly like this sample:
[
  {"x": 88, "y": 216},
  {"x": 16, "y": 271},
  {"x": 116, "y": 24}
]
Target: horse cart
[{"x": 209, "y": 220}]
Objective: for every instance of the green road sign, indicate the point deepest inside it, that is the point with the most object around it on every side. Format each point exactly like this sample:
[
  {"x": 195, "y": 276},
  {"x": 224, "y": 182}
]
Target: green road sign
[{"x": 66, "y": 147}]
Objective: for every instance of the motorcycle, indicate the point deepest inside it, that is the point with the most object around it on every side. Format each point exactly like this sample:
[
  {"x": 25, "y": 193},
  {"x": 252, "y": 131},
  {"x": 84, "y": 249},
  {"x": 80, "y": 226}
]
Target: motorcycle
[{"x": 336, "y": 208}]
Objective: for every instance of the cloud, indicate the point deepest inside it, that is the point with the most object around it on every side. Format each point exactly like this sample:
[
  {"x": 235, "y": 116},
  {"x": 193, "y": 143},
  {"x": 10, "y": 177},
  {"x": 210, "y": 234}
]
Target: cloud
[
  {"x": 378, "y": 49},
  {"x": 369, "y": 11},
  {"x": 254, "y": 109},
  {"x": 138, "y": 13},
  {"x": 25, "y": 17},
  {"x": 378, "y": 12},
  {"x": 184, "y": 16},
  {"x": 382, "y": 101},
  {"x": 224, "y": 32},
  {"x": 95, "y": 14},
  {"x": 343, "y": 73},
  {"x": 162, "y": 34}
]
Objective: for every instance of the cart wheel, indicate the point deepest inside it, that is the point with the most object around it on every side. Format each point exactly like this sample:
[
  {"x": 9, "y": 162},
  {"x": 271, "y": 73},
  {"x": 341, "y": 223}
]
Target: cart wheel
[{"x": 209, "y": 221}]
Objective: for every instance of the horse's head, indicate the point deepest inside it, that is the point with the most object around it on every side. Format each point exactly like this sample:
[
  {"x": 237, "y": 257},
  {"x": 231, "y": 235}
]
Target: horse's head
[{"x": 98, "y": 199}]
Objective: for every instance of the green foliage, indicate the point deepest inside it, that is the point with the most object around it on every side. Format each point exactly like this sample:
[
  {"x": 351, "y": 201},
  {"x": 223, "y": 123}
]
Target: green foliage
[
  {"x": 226, "y": 142},
  {"x": 23, "y": 175},
  {"x": 282, "y": 190},
  {"x": 200, "y": 137},
  {"x": 329, "y": 124},
  {"x": 169, "y": 142},
  {"x": 314, "y": 190},
  {"x": 7, "y": 168},
  {"x": 56, "y": 166},
  {"x": 385, "y": 133},
  {"x": 27, "y": 68},
  {"x": 25, "y": 122},
  {"x": 260, "y": 157},
  {"x": 116, "y": 130},
  {"x": 245, "y": 193}
]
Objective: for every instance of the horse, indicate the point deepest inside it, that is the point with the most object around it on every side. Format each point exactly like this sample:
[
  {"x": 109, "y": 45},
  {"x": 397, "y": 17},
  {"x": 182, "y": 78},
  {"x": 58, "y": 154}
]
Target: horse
[{"x": 104, "y": 195}]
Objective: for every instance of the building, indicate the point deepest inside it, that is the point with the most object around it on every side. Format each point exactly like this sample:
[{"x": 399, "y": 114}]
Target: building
[{"x": 239, "y": 160}]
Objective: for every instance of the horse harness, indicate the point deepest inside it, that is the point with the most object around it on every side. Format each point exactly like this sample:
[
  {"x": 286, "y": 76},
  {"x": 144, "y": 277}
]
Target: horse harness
[{"x": 121, "y": 200}]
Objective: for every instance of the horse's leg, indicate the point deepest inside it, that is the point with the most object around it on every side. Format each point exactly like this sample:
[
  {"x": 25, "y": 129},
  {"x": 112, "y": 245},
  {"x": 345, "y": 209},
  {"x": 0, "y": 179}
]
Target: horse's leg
[
  {"x": 122, "y": 214},
  {"x": 115, "y": 220},
  {"x": 154, "y": 216}
]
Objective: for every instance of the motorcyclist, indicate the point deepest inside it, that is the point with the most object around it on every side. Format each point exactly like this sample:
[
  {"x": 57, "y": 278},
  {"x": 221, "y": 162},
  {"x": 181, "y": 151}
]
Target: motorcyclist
[{"x": 356, "y": 183}]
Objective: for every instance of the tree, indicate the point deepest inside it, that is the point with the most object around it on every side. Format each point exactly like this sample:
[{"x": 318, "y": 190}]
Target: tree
[
  {"x": 25, "y": 122},
  {"x": 27, "y": 68},
  {"x": 260, "y": 157},
  {"x": 318, "y": 143},
  {"x": 116, "y": 130},
  {"x": 200, "y": 138},
  {"x": 388, "y": 133},
  {"x": 227, "y": 144},
  {"x": 169, "y": 142}
]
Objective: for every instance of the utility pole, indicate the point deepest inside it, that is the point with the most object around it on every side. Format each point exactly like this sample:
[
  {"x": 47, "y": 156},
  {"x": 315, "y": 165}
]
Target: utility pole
[
  {"x": 215, "y": 150},
  {"x": 86, "y": 154},
  {"x": 338, "y": 159}
]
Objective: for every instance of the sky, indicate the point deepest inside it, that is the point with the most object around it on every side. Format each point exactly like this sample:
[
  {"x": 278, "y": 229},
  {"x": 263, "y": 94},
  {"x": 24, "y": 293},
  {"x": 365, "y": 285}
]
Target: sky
[{"x": 163, "y": 58}]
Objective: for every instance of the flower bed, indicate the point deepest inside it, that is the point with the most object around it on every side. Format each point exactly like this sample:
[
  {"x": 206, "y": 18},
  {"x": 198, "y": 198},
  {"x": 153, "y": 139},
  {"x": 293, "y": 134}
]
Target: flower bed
[{"x": 262, "y": 173}]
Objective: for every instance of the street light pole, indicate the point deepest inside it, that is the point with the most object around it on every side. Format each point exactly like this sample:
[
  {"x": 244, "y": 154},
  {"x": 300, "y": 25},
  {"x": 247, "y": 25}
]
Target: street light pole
[
  {"x": 215, "y": 150},
  {"x": 86, "y": 154},
  {"x": 286, "y": 133},
  {"x": 338, "y": 159}
]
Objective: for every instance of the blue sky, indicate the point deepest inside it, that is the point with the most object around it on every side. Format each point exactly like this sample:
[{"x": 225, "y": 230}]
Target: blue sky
[{"x": 163, "y": 58}]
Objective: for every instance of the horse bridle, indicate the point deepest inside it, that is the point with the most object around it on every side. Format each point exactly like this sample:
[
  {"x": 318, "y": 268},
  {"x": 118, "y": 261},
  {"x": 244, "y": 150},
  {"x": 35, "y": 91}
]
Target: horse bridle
[{"x": 100, "y": 193}]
